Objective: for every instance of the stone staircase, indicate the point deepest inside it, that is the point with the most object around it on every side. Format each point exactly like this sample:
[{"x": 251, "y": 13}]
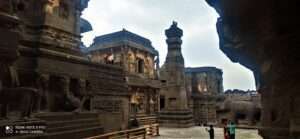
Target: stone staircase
[
  {"x": 70, "y": 125},
  {"x": 178, "y": 118},
  {"x": 147, "y": 119}
]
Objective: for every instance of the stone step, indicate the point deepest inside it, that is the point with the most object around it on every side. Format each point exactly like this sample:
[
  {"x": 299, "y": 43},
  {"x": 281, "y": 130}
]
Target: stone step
[
  {"x": 175, "y": 112},
  {"x": 65, "y": 125},
  {"x": 75, "y": 134},
  {"x": 62, "y": 116},
  {"x": 73, "y": 127},
  {"x": 176, "y": 117},
  {"x": 177, "y": 121},
  {"x": 176, "y": 125},
  {"x": 146, "y": 119},
  {"x": 54, "y": 124}
]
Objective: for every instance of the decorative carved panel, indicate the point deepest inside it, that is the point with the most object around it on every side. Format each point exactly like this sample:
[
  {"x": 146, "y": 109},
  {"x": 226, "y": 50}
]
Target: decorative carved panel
[{"x": 114, "y": 106}]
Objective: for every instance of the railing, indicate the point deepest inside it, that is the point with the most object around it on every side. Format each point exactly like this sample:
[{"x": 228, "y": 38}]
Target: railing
[
  {"x": 137, "y": 133},
  {"x": 152, "y": 130}
]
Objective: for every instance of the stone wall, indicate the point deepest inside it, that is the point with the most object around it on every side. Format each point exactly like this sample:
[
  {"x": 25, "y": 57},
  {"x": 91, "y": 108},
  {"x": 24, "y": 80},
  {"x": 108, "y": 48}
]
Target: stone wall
[
  {"x": 124, "y": 49},
  {"x": 203, "y": 85},
  {"x": 111, "y": 97},
  {"x": 113, "y": 112}
]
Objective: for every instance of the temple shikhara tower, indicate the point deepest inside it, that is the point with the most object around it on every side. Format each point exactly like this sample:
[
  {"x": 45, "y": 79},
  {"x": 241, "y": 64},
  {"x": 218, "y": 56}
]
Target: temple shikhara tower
[{"x": 175, "y": 113}]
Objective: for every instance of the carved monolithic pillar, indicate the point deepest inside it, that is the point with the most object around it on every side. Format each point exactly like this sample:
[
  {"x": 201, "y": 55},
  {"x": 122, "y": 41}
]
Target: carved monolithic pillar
[
  {"x": 176, "y": 113},
  {"x": 264, "y": 37}
]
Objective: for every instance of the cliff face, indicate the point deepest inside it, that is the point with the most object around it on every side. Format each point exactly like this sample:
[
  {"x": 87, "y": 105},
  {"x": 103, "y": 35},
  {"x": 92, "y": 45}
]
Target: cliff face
[{"x": 263, "y": 36}]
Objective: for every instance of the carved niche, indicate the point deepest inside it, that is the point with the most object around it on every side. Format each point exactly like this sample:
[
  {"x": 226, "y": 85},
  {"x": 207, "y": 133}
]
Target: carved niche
[
  {"x": 64, "y": 10},
  {"x": 57, "y": 7},
  {"x": 51, "y": 6}
]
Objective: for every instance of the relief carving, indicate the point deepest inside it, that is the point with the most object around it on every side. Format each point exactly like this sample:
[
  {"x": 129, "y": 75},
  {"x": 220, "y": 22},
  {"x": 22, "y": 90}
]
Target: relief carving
[
  {"x": 64, "y": 10},
  {"x": 71, "y": 101},
  {"x": 131, "y": 62},
  {"x": 11, "y": 94},
  {"x": 51, "y": 6},
  {"x": 12, "y": 6},
  {"x": 108, "y": 105},
  {"x": 43, "y": 86}
]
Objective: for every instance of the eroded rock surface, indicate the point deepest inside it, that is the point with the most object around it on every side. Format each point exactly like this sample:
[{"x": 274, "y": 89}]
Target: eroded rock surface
[{"x": 263, "y": 36}]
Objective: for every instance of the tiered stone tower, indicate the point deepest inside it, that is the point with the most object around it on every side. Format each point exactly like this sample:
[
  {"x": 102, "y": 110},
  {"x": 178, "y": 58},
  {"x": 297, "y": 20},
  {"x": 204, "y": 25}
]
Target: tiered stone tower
[{"x": 175, "y": 112}]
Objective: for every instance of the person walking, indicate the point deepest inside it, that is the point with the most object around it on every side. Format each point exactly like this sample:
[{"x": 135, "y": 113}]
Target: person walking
[
  {"x": 211, "y": 132},
  {"x": 231, "y": 128}
]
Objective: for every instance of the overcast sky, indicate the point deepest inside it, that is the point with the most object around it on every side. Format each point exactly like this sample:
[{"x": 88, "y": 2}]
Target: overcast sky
[{"x": 149, "y": 18}]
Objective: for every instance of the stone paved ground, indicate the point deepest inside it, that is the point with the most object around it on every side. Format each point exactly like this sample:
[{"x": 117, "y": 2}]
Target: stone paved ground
[{"x": 201, "y": 133}]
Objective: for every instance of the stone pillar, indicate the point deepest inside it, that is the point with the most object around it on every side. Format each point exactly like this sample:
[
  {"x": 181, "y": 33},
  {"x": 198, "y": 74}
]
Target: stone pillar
[
  {"x": 43, "y": 88},
  {"x": 175, "y": 67},
  {"x": 156, "y": 69},
  {"x": 9, "y": 41},
  {"x": 176, "y": 112}
]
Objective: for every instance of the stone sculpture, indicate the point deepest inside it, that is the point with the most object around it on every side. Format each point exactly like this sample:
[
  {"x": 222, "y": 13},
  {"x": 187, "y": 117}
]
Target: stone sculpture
[{"x": 11, "y": 93}]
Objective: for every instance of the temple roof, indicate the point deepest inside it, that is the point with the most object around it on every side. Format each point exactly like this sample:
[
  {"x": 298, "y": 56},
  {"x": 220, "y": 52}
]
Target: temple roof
[
  {"x": 123, "y": 36},
  {"x": 85, "y": 26},
  {"x": 203, "y": 69}
]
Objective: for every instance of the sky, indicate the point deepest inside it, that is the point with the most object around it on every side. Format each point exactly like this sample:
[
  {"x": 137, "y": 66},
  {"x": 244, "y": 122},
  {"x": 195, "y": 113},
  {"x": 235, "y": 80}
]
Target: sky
[{"x": 150, "y": 18}]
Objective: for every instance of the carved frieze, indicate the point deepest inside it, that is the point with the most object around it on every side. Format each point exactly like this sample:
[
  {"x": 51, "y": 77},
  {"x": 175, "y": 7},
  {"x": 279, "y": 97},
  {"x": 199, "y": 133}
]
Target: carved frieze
[{"x": 113, "y": 106}]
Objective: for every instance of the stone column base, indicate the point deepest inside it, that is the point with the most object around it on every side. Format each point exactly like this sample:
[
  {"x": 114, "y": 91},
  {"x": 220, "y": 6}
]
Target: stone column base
[{"x": 176, "y": 118}]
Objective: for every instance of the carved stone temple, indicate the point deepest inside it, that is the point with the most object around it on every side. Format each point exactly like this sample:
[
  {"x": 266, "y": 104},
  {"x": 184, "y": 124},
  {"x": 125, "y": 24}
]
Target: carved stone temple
[
  {"x": 48, "y": 78},
  {"x": 45, "y": 78},
  {"x": 139, "y": 60},
  {"x": 175, "y": 112},
  {"x": 204, "y": 85}
]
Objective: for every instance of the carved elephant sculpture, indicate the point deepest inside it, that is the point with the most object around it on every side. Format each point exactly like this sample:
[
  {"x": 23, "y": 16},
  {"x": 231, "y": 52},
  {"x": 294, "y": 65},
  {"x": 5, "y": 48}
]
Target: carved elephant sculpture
[
  {"x": 240, "y": 109},
  {"x": 25, "y": 98}
]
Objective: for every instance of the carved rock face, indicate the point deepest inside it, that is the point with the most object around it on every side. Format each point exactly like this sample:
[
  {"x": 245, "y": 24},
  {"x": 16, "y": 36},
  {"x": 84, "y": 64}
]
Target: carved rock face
[
  {"x": 12, "y": 6},
  {"x": 265, "y": 40}
]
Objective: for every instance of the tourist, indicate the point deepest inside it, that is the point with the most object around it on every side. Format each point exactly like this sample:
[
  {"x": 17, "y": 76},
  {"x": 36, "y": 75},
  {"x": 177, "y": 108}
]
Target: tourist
[
  {"x": 226, "y": 132},
  {"x": 211, "y": 132},
  {"x": 231, "y": 129}
]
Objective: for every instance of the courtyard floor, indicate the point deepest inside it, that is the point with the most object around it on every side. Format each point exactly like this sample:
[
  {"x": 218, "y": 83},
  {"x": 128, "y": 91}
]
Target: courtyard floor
[{"x": 200, "y": 133}]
